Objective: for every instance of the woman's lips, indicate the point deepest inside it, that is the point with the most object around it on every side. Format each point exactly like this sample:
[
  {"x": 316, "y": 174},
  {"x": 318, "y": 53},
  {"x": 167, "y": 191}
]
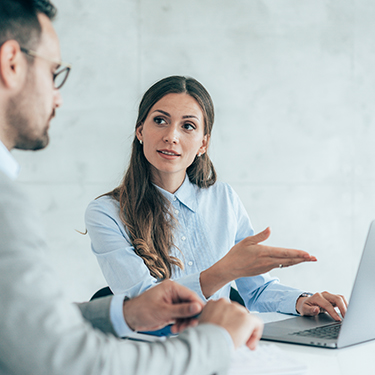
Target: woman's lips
[{"x": 168, "y": 154}]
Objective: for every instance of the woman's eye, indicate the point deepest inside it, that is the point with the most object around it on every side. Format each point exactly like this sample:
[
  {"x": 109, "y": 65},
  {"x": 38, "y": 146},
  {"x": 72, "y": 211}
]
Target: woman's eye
[
  {"x": 189, "y": 126},
  {"x": 159, "y": 120}
]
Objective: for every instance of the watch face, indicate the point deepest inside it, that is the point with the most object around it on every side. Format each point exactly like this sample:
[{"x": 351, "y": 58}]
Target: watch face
[{"x": 306, "y": 295}]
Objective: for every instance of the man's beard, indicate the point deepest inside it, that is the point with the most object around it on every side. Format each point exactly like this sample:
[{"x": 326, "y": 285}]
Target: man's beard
[
  {"x": 21, "y": 123},
  {"x": 25, "y": 142}
]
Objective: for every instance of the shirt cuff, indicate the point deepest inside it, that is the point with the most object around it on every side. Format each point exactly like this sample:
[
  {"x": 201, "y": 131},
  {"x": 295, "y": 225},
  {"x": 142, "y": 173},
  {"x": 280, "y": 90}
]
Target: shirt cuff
[
  {"x": 117, "y": 316},
  {"x": 192, "y": 282},
  {"x": 288, "y": 302}
]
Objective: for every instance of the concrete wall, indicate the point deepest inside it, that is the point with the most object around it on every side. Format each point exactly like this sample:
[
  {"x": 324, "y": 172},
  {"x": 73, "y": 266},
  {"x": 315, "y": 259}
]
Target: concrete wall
[{"x": 293, "y": 82}]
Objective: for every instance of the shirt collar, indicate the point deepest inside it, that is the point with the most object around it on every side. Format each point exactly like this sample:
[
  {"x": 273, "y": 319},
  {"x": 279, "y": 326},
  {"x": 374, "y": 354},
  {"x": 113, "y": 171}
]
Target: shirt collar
[
  {"x": 186, "y": 194},
  {"x": 8, "y": 164}
]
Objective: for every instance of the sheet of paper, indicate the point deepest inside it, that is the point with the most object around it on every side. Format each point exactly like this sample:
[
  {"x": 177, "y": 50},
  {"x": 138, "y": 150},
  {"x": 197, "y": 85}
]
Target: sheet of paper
[{"x": 267, "y": 359}]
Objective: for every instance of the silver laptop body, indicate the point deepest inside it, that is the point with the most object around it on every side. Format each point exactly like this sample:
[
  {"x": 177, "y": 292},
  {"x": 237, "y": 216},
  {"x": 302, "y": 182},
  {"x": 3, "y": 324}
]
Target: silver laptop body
[{"x": 359, "y": 323}]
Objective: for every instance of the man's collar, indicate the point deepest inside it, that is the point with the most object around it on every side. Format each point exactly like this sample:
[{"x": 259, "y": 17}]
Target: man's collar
[
  {"x": 8, "y": 165},
  {"x": 186, "y": 194}
]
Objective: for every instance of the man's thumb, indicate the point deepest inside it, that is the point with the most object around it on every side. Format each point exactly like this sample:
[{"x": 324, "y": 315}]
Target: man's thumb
[{"x": 185, "y": 310}]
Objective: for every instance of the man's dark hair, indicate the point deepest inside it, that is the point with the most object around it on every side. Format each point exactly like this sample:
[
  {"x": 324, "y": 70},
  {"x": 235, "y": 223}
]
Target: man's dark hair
[{"x": 19, "y": 20}]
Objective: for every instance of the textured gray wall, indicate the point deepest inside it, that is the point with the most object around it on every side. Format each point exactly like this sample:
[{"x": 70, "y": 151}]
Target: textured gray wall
[{"x": 293, "y": 82}]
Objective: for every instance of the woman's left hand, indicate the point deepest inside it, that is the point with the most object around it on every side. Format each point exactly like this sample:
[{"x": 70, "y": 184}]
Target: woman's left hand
[{"x": 322, "y": 302}]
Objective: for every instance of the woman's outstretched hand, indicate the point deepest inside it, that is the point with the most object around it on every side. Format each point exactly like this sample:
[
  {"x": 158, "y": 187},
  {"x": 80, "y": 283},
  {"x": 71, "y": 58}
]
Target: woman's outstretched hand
[{"x": 250, "y": 258}]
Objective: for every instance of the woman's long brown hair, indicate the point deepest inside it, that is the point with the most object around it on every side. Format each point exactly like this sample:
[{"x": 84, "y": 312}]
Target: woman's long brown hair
[{"x": 144, "y": 211}]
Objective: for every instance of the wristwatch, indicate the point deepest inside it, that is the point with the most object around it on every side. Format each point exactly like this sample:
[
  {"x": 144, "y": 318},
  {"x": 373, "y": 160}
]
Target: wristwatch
[{"x": 305, "y": 294}]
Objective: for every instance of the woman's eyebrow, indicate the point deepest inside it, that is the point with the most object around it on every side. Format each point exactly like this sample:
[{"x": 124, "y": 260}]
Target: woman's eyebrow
[
  {"x": 165, "y": 113},
  {"x": 168, "y": 115},
  {"x": 191, "y": 116}
]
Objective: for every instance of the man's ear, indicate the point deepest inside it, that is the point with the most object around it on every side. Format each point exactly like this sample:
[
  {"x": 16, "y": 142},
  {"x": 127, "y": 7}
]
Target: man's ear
[{"x": 13, "y": 66}]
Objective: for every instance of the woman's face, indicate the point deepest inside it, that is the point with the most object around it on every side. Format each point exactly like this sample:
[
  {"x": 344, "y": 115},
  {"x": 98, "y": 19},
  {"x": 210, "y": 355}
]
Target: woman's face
[{"x": 172, "y": 136}]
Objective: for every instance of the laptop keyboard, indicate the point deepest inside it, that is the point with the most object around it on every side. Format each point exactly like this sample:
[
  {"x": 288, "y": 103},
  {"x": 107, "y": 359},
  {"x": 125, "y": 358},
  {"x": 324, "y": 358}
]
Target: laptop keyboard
[{"x": 326, "y": 332}]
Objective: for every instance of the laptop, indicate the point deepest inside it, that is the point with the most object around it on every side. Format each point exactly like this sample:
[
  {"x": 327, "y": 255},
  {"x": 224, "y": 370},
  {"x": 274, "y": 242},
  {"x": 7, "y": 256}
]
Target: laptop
[{"x": 322, "y": 330}]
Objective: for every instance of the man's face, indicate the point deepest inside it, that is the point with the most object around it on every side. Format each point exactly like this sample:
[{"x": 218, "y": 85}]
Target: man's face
[{"x": 30, "y": 111}]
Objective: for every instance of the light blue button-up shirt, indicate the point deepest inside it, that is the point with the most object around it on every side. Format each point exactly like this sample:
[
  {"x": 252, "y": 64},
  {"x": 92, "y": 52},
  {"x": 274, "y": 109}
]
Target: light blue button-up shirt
[{"x": 210, "y": 222}]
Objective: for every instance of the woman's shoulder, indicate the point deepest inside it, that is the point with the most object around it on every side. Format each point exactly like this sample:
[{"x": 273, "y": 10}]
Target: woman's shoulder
[
  {"x": 220, "y": 193},
  {"x": 220, "y": 188},
  {"x": 104, "y": 204}
]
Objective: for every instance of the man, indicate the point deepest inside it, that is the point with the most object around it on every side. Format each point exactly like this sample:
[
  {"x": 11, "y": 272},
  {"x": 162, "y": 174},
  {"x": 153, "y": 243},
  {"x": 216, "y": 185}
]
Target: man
[{"x": 40, "y": 331}]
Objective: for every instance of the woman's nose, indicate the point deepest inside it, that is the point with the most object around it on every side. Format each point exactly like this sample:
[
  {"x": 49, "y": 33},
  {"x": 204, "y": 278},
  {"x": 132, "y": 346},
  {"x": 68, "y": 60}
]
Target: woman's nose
[{"x": 171, "y": 135}]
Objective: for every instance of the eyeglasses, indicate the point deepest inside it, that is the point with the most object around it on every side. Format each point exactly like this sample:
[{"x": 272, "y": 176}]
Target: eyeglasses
[{"x": 60, "y": 76}]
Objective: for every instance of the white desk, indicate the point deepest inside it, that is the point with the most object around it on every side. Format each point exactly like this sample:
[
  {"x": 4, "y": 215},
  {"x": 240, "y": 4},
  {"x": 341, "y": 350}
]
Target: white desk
[{"x": 355, "y": 360}]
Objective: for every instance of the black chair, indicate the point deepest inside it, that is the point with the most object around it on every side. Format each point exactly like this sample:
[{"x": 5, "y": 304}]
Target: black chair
[
  {"x": 234, "y": 295},
  {"x": 102, "y": 293}
]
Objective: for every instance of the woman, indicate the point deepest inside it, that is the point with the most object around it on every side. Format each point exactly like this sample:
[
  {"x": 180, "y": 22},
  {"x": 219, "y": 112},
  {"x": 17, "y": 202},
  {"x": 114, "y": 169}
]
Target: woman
[{"x": 170, "y": 218}]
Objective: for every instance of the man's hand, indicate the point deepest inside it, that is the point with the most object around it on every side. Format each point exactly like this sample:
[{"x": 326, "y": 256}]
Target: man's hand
[
  {"x": 243, "y": 327},
  {"x": 320, "y": 302},
  {"x": 164, "y": 304}
]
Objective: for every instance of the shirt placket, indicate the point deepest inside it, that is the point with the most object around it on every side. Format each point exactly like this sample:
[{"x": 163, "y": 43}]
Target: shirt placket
[{"x": 182, "y": 236}]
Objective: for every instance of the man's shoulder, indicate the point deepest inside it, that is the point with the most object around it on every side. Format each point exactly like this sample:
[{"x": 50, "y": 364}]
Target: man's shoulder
[
  {"x": 16, "y": 210},
  {"x": 11, "y": 192},
  {"x": 5, "y": 180}
]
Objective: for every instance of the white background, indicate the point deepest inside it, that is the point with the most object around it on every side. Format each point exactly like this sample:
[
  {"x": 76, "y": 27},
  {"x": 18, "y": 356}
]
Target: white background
[{"x": 293, "y": 82}]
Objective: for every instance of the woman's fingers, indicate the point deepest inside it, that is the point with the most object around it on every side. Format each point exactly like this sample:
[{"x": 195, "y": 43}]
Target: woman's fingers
[
  {"x": 282, "y": 262},
  {"x": 259, "y": 237},
  {"x": 324, "y": 302},
  {"x": 279, "y": 257},
  {"x": 336, "y": 300},
  {"x": 249, "y": 258},
  {"x": 287, "y": 254}
]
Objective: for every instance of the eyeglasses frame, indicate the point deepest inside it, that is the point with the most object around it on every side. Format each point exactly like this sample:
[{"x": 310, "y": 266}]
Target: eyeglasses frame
[{"x": 65, "y": 66}]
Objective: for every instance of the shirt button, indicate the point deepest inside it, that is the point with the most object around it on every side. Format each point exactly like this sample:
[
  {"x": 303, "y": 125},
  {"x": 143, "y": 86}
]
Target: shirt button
[
  {"x": 174, "y": 198},
  {"x": 190, "y": 263},
  {"x": 183, "y": 238},
  {"x": 176, "y": 212}
]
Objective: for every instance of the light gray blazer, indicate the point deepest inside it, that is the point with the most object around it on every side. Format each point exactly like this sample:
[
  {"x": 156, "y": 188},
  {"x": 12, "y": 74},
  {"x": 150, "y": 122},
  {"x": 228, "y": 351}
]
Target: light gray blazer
[{"x": 41, "y": 332}]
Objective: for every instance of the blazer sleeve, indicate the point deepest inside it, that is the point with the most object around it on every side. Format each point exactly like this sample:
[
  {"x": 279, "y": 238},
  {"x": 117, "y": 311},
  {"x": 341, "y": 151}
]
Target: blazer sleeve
[
  {"x": 42, "y": 333},
  {"x": 97, "y": 312}
]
